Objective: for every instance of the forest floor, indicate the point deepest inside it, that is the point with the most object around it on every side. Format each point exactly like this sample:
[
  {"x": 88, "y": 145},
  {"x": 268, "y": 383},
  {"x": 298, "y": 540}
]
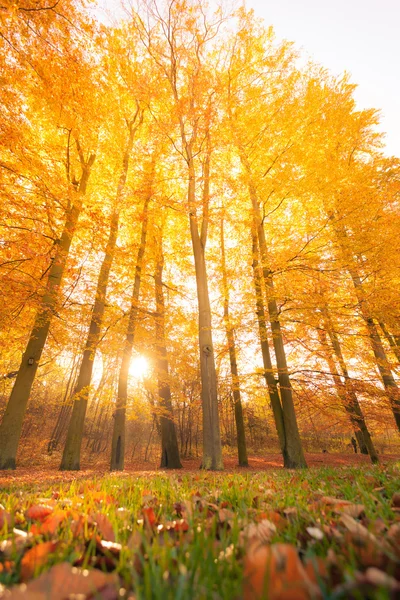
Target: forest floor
[
  {"x": 329, "y": 532},
  {"x": 48, "y": 472}
]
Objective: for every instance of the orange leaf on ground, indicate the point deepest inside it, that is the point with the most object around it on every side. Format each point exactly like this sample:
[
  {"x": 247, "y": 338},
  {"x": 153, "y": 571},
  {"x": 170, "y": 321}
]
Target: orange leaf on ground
[
  {"x": 277, "y": 573},
  {"x": 50, "y": 524},
  {"x": 38, "y": 512},
  {"x": 34, "y": 558},
  {"x": 63, "y": 581},
  {"x": 149, "y": 516}
]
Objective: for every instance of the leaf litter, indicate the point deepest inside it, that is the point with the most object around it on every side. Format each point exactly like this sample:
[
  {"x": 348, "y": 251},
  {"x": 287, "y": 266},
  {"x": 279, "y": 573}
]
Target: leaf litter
[{"x": 283, "y": 536}]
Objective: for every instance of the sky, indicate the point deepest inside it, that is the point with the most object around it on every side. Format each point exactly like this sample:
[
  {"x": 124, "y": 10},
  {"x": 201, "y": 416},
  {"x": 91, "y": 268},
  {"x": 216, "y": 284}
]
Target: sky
[{"x": 360, "y": 37}]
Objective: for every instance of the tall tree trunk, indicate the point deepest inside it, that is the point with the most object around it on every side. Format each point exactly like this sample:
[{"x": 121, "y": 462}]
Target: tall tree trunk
[
  {"x": 72, "y": 450},
  {"x": 212, "y": 448},
  {"x": 118, "y": 437},
  {"x": 266, "y": 355},
  {"x": 169, "y": 442},
  {"x": 391, "y": 339},
  {"x": 65, "y": 410},
  {"x": 391, "y": 387},
  {"x": 293, "y": 451},
  {"x": 346, "y": 391},
  {"x": 230, "y": 335},
  {"x": 11, "y": 426}
]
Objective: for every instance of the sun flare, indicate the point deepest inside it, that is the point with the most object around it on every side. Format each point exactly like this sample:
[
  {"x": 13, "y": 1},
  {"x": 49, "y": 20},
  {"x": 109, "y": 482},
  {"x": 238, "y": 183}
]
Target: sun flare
[{"x": 139, "y": 367}]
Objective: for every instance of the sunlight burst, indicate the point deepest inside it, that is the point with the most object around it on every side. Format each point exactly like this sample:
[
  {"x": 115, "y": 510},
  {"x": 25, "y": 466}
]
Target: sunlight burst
[{"x": 139, "y": 367}]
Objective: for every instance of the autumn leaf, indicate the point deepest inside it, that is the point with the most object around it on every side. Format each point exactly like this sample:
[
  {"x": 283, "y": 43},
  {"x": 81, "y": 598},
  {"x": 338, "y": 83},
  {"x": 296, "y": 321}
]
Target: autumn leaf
[
  {"x": 276, "y": 572},
  {"x": 63, "y": 581},
  {"x": 36, "y": 558}
]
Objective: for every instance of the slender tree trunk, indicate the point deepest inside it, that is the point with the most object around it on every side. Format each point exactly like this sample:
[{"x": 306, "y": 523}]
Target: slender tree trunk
[
  {"x": 72, "y": 450},
  {"x": 169, "y": 442},
  {"x": 118, "y": 438},
  {"x": 65, "y": 410},
  {"x": 11, "y": 426},
  {"x": 293, "y": 452},
  {"x": 212, "y": 448},
  {"x": 391, "y": 339},
  {"x": 230, "y": 335},
  {"x": 346, "y": 392},
  {"x": 266, "y": 355},
  {"x": 392, "y": 390}
]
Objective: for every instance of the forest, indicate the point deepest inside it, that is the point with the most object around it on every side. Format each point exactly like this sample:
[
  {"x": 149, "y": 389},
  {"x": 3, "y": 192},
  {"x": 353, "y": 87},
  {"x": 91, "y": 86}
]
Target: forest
[{"x": 199, "y": 266}]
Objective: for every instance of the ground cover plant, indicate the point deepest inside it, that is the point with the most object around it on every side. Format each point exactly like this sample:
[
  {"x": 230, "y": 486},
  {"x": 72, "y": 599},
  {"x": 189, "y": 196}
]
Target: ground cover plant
[{"x": 318, "y": 533}]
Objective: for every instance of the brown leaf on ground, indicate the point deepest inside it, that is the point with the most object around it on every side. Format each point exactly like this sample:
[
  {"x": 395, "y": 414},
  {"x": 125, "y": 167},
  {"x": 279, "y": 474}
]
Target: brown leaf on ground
[
  {"x": 381, "y": 579},
  {"x": 354, "y": 510},
  {"x": 396, "y": 500},
  {"x": 331, "y": 501},
  {"x": 104, "y": 527},
  {"x": 35, "y": 558},
  {"x": 276, "y": 572},
  {"x": 63, "y": 581},
  {"x": 275, "y": 518},
  {"x": 262, "y": 532}
]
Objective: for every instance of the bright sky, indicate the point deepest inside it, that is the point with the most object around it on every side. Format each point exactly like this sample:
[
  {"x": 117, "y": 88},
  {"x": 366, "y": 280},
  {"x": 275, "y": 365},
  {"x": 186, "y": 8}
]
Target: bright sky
[{"x": 358, "y": 36}]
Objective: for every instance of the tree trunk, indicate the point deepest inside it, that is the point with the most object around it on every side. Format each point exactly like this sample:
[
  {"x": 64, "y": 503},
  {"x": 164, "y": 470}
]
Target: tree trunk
[
  {"x": 266, "y": 355},
  {"x": 72, "y": 450},
  {"x": 118, "y": 437},
  {"x": 11, "y": 426},
  {"x": 169, "y": 442},
  {"x": 392, "y": 390},
  {"x": 240, "y": 431},
  {"x": 346, "y": 392},
  {"x": 293, "y": 451},
  {"x": 391, "y": 339},
  {"x": 212, "y": 448}
]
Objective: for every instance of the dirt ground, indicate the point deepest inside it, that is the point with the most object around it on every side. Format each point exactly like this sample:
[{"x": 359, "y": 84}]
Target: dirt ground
[{"x": 50, "y": 474}]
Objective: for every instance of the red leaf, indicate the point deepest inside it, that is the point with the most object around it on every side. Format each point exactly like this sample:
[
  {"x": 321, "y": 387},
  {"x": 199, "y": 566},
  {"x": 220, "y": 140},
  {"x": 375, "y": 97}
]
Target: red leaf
[{"x": 38, "y": 512}]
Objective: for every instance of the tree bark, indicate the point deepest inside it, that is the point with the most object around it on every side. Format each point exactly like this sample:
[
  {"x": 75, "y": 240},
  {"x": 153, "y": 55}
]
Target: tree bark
[
  {"x": 118, "y": 437},
  {"x": 391, "y": 339},
  {"x": 266, "y": 355},
  {"x": 392, "y": 390},
  {"x": 346, "y": 392},
  {"x": 293, "y": 451},
  {"x": 169, "y": 443},
  {"x": 212, "y": 448},
  {"x": 230, "y": 335},
  {"x": 11, "y": 426},
  {"x": 72, "y": 449}
]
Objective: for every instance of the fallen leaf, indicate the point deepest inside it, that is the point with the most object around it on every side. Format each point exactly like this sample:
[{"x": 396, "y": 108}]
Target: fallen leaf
[
  {"x": 104, "y": 527},
  {"x": 50, "y": 524},
  {"x": 354, "y": 510},
  {"x": 63, "y": 581},
  {"x": 396, "y": 500},
  {"x": 315, "y": 533},
  {"x": 381, "y": 579},
  {"x": 276, "y": 572},
  {"x": 35, "y": 558},
  {"x": 263, "y": 531},
  {"x": 38, "y": 512}
]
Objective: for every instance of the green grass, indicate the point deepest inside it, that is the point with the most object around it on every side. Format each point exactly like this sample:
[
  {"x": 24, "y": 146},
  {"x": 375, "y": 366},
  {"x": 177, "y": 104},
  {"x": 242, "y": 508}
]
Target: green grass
[{"x": 206, "y": 561}]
